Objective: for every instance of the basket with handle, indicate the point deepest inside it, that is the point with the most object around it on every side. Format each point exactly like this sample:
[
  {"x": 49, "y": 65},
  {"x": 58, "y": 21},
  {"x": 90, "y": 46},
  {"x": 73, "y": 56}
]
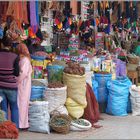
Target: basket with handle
[{"x": 60, "y": 122}]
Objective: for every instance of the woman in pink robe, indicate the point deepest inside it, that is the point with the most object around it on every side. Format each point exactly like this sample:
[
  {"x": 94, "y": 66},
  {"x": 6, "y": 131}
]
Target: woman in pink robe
[{"x": 24, "y": 85}]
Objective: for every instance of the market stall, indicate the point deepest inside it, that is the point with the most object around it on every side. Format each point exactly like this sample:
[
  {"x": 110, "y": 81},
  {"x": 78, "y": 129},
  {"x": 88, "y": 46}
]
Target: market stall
[{"x": 75, "y": 57}]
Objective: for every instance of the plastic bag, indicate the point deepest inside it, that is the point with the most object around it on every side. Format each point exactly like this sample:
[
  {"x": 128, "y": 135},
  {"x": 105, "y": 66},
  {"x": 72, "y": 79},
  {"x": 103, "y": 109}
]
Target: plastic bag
[
  {"x": 39, "y": 117},
  {"x": 135, "y": 100},
  {"x": 118, "y": 96},
  {"x": 56, "y": 97},
  {"x": 95, "y": 88}
]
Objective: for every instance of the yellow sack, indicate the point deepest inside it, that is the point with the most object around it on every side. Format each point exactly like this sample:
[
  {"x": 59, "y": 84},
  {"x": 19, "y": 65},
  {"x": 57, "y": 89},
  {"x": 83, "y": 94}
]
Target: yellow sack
[
  {"x": 74, "y": 109},
  {"x": 76, "y": 88}
]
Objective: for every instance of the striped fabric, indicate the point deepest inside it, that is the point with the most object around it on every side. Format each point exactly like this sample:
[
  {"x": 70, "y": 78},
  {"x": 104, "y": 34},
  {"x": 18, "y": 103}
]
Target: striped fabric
[{"x": 7, "y": 78}]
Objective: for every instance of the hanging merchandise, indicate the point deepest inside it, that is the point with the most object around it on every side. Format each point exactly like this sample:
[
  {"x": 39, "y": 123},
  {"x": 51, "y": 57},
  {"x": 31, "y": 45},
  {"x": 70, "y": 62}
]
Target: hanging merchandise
[
  {"x": 135, "y": 11},
  {"x": 3, "y": 7},
  {"x": 131, "y": 12},
  {"x": 107, "y": 11},
  {"x": 37, "y": 11},
  {"x": 99, "y": 40},
  {"x": 33, "y": 18},
  {"x": 119, "y": 10},
  {"x": 118, "y": 96},
  {"x": 127, "y": 9},
  {"x": 84, "y": 9},
  {"x": 99, "y": 8},
  {"x": 73, "y": 43},
  {"x": 18, "y": 10},
  {"x": 54, "y": 5}
]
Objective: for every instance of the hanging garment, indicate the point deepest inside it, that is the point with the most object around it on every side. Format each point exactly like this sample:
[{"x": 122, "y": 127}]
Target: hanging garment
[
  {"x": 119, "y": 11},
  {"x": 18, "y": 10},
  {"x": 107, "y": 13},
  {"x": 127, "y": 9},
  {"x": 3, "y": 7},
  {"x": 24, "y": 91},
  {"x": 37, "y": 12},
  {"x": 99, "y": 8},
  {"x": 33, "y": 18},
  {"x": 135, "y": 14}
]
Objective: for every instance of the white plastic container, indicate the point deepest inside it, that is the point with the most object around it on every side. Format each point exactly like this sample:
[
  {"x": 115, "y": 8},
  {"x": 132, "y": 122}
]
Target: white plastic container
[{"x": 77, "y": 127}]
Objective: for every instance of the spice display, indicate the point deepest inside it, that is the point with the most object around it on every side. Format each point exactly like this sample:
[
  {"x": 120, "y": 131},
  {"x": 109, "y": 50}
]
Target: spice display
[
  {"x": 81, "y": 122},
  {"x": 74, "y": 68},
  {"x": 59, "y": 121},
  {"x": 8, "y": 130},
  {"x": 40, "y": 53},
  {"x": 37, "y": 83},
  {"x": 55, "y": 85}
]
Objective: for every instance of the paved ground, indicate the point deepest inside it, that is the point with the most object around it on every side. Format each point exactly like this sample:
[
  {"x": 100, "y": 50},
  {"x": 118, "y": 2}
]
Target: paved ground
[{"x": 113, "y": 128}]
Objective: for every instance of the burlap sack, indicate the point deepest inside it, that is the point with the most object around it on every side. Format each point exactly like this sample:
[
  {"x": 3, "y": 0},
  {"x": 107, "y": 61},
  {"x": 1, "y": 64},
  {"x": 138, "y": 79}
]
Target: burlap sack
[{"x": 76, "y": 88}]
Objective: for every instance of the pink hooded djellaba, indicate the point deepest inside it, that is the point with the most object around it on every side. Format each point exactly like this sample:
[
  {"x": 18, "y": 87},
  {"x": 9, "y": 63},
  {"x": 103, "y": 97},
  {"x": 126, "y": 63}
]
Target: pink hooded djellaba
[
  {"x": 24, "y": 91},
  {"x": 24, "y": 85}
]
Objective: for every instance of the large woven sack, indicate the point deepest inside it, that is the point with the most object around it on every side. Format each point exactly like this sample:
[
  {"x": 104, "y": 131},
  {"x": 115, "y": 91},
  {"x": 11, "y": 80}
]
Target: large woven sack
[
  {"x": 56, "y": 97},
  {"x": 75, "y": 110},
  {"x": 76, "y": 88}
]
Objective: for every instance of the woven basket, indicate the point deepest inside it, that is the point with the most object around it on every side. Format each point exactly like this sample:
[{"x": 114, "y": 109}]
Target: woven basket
[
  {"x": 133, "y": 60},
  {"x": 65, "y": 128}
]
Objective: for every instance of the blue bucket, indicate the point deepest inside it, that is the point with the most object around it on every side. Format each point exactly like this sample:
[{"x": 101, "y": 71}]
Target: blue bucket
[
  {"x": 55, "y": 73},
  {"x": 37, "y": 92}
]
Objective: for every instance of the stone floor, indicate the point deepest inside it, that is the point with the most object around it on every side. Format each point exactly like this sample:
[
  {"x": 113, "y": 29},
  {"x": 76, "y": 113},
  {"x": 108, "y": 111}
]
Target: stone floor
[{"x": 113, "y": 128}]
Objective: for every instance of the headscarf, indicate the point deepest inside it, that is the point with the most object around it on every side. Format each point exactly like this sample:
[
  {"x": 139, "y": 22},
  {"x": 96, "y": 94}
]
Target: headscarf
[{"x": 23, "y": 50}]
